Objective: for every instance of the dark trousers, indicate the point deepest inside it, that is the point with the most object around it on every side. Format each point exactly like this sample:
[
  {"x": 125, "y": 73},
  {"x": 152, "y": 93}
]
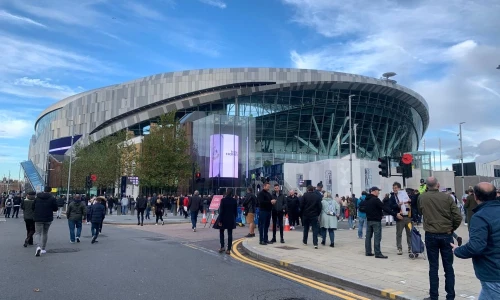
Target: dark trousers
[
  {"x": 30, "y": 231},
  {"x": 7, "y": 212},
  {"x": 148, "y": 212},
  {"x": 229, "y": 238},
  {"x": 264, "y": 220},
  {"x": 140, "y": 212},
  {"x": 435, "y": 244},
  {"x": 16, "y": 211},
  {"x": 277, "y": 217},
  {"x": 331, "y": 233},
  {"x": 293, "y": 217},
  {"x": 373, "y": 228},
  {"x": 95, "y": 228},
  {"x": 310, "y": 222},
  {"x": 194, "y": 219},
  {"x": 111, "y": 210},
  {"x": 159, "y": 216}
]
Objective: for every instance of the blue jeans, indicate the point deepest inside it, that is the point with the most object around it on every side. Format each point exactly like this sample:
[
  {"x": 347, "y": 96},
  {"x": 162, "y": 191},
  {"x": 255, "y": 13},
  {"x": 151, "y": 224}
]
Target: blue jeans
[
  {"x": 361, "y": 224},
  {"x": 310, "y": 222},
  {"x": 331, "y": 233},
  {"x": 95, "y": 229},
  {"x": 350, "y": 221},
  {"x": 124, "y": 209},
  {"x": 148, "y": 211},
  {"x": 264, "y": 222},
  {"x": 489, "y": 291},
  {"x": 72, "y": 224},
  {"x": 436, "y": 243},
  {"x": 194, "y": 219}
]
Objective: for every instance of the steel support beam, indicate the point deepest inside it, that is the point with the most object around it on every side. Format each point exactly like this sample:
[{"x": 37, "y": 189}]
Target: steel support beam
[
  {"x": 307, "y": 144},
  {"x": 318, "y": 133}
]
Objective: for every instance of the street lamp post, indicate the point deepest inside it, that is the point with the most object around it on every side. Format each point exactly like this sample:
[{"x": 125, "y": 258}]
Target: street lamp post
[
  {"x": 350, "y": 143},
  {"x": 462, "y": 154},
  {"x": 70, "y": 160}
]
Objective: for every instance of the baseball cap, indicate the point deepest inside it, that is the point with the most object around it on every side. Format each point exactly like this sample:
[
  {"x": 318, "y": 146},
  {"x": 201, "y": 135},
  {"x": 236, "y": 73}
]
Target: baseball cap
[{"x": 374, "y": 188}]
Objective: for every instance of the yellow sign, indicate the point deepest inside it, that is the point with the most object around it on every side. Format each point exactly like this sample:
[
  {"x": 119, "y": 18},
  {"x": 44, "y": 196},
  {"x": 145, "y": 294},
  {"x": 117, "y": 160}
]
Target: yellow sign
[{"x": 54, "y": 190}]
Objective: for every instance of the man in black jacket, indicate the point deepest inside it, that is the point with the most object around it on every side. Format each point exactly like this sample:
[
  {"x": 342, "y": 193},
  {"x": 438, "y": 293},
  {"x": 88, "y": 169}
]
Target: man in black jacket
[
  {"x": 292, "y": 206},
  {"x": 194, "y": 206},
  {"x": 249, "y": 206},
  {"x": 44, "y": 207},
  {"x": 373, "y": 208},
  {"x": 264, "y": 199},
  {"x": 17, "y": 205},
  {"x": 311, "y": 209},
  {"x": 97, "y": 214},
  {"x": 278, "y": 212},
  {"x": 141, "y": 203}
]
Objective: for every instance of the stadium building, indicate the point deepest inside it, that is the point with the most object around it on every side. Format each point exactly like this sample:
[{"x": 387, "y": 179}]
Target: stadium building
[{"x": 248, "y": 122}]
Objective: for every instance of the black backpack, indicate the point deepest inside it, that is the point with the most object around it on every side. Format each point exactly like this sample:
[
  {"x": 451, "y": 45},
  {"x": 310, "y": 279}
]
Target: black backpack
[{"x": 362, "y": 206}]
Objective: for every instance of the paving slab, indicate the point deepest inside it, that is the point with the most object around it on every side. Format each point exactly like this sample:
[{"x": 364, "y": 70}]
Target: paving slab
[{"x": 398, "y": 277}]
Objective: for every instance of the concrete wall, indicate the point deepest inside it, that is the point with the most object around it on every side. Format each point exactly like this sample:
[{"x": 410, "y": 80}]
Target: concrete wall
[{"x": 447, "y": 180}]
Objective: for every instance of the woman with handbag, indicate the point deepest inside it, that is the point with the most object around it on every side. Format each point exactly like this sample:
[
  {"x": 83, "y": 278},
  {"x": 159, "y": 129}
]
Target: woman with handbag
[
  {"x": 228, "y": 211},
  {"x": 330, "y": 213}
]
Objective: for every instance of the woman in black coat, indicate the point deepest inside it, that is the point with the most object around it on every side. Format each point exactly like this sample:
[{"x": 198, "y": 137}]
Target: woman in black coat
[{"x": 228, "y": 211}]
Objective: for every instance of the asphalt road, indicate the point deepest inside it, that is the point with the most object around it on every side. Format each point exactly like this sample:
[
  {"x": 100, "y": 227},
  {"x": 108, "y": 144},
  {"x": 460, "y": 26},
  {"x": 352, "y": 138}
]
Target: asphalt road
[{"x": 129, "y": 262}]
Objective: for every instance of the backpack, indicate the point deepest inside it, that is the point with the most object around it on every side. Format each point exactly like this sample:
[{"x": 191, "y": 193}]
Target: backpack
[
  {"x": 331, "y": 209},
  {"x": 362, "y": 206}
]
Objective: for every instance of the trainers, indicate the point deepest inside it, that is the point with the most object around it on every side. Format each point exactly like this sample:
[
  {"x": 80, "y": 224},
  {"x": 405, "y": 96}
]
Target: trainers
[
  {"x": 43, "y": 251},
  {"x": 316, "y": 247},
  {"x": 400, "y": 251},
  {"x": 94, "y": 238},
  {"x": 194, "y": 229},
  {"x": 71, "y": 242},
  {"x": 77, "y": 239},
  {"x": 38, "y": 251},
  {"x": 162, "y": 223}
]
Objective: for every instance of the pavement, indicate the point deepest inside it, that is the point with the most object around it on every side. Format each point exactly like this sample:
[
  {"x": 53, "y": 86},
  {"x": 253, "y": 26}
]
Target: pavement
[
  {"x": 132, "y": 219},
  {"x": 397, "y": 277},
  {"x": 134, "y": 262}
]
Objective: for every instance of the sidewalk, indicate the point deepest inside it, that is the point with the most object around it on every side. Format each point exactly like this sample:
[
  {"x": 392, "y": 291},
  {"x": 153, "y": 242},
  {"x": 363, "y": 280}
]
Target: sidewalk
[{"x": 397, "y": 277}]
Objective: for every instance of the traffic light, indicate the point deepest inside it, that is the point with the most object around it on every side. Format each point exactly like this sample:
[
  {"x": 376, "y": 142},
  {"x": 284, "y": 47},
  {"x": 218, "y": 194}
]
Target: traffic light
[
  {"x": 405, "y": 165},
  {"x": 88, "y": 182},
  {"x": 198, "y": 176},
  {"x": 384, "y": 166}
]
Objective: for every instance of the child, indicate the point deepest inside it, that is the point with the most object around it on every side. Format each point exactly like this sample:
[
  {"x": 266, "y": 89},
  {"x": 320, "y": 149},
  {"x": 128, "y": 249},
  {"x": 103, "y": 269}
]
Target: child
[{"x": 97, "y": 213}]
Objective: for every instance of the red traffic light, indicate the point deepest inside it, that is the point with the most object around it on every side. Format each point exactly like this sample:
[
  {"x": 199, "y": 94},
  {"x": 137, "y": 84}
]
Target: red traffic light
[
  {"x": 93, "y": 177},
  {"x": 198, "y": 175},
  {"x": 407, "y": 158}
]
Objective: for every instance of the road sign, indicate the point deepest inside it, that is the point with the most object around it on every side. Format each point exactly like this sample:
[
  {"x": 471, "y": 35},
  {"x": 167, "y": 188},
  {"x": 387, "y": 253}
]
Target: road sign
[
  {"x": 93, "y": 177},
  {"x": 214, "y": 205}
]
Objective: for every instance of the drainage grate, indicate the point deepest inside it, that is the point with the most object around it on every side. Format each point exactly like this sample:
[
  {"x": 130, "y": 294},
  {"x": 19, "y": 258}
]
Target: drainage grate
[
  {"x": 287, "y": 248},
  {"x": 63, "y": 250}
]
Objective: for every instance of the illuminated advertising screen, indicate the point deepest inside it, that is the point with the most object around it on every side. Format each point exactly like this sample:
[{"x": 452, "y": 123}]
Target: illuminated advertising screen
[{"x": 224, "y": 155}]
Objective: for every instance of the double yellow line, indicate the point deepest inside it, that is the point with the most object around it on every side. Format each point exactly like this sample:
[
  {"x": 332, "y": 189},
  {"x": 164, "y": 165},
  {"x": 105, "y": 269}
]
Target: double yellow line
[{"x": 291, "y": 276}]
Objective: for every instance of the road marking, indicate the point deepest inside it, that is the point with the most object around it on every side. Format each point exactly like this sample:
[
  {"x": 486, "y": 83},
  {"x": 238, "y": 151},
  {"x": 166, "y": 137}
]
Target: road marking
[
  {"x": 284, "y": 263},
  {"x": 394, "y": 294},
  {"x": 391, "y": 293},
  {"x": 386, "y": 292},
  {"x": 294, "y": 277}
]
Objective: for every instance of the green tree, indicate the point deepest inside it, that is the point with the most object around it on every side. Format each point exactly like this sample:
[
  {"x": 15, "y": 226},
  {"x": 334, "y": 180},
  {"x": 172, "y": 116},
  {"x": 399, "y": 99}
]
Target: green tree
[{"x": 165, "y": 159}]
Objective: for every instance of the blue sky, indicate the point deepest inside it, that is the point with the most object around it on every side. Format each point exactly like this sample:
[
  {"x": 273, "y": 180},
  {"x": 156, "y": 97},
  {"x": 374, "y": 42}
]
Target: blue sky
[{"x": 446, "y": 52}]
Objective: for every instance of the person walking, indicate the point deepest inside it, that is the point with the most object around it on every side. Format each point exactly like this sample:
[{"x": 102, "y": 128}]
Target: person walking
[
  {"x": 330, "y": 212},
  {"x": 361, "y": 215},
  {"x": 228, "y": 211},
  {"x": 249, "y": 211},
  {"x": 194, "y": 206},
  {"x": 278, "y": 212},
  {"x": 44, "y": 207},
  {"x": 470, "y": 205},
  {"x": 124, "y": 204},
  {"x": 27, "y": 207},
  {"x": 441, "y": 218},
  {"x": 60, "y": 204},
  {"x": 8, "y": 206},
  {"x": 264, "y": 200},
  {"x": 292, "y": 204},
  {"x": 401, "y": 206},
  {"x": 484, "y": 240},
  {"x": 16, "y": 201},
  {"x": 141, "y": 204},
  {"x": 77, "y": 211},
  {"x": 374, "y": 208},
  {"x": 351, "y": 211},
  {"x": 311, "y": 210},
  {"x": 159, "y": 208},
  {"x": 97, "y": 214}
]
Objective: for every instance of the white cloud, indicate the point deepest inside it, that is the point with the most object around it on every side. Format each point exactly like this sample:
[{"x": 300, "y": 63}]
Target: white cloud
[
  {"x": 4, "y": 15},
  {"x": 446, "y": 51},
  {"x": 143, "y": 11},
  {"x": 216, "y": 3},
  {"x": 37, "y": 88},
  {"x": 193, "y": 43},
  {"x": 12, "y": 127}
]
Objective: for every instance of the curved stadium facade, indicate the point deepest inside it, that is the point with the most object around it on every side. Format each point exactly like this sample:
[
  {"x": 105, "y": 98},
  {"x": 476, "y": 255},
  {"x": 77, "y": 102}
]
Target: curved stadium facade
[{"x": 299, "y": 115}]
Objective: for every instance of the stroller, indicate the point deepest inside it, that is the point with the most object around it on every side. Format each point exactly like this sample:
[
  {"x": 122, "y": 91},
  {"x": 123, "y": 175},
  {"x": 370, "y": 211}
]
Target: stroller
[{"x": 417, "y": 245}]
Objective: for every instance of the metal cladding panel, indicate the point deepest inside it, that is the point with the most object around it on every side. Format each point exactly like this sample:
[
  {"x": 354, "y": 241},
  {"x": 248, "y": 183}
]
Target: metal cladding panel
[{"x": 61, "y": 145}]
